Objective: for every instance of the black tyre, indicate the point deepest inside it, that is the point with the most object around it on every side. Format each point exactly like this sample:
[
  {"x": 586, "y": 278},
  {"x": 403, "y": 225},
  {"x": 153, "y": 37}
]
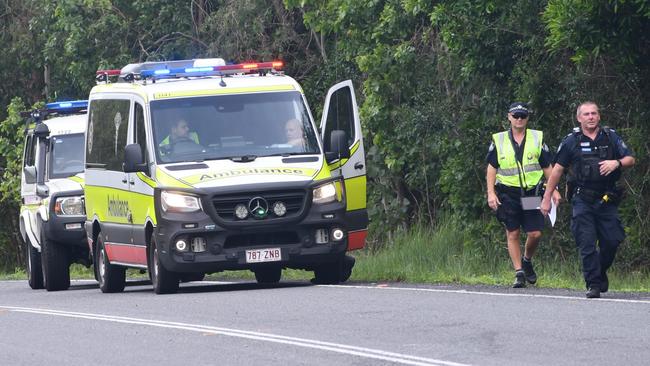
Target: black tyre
[
  {"x": 164, "y": 281},
  {"x": 111, "y": 278},
  {"x": 267, "y": 275},
  {"x": 34, "y": 270},
  {"x": 55, "y": 265},
  {"x": 192, "y": 277},
  {"x": 335, "y": 272}
]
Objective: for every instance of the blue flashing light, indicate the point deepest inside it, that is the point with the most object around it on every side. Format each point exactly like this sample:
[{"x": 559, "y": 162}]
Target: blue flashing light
[
  {"x": 179, "y": 71},
  {"x": 67, "y": 107}
]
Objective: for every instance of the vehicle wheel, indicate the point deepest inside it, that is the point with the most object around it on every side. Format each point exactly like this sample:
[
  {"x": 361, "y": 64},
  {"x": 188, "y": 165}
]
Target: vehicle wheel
[
  {"x": 55, "y": 265},
  {"x": 34, "y": 270},
  {"x": 267, "y": 275},
  {"x": 111, "y": 278},
  {"x": 336, "y": 272},
  {"x": 192, "y": 277},
  {"x": 164, "y": 281}
]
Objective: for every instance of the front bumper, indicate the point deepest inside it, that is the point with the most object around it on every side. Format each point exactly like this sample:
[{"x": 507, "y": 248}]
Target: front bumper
[{"x": 227, "y": 241}]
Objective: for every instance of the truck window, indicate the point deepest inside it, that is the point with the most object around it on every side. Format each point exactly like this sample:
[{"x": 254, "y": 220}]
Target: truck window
[
  {"x": 30, "y": 151},
  {"x": 64, "y": 158},
  {"x": 139, "y": 130},
  {"x": 223, "y": 126},
  {"x": 107, "y": 128},
  {"x": 340, "y": 115}
]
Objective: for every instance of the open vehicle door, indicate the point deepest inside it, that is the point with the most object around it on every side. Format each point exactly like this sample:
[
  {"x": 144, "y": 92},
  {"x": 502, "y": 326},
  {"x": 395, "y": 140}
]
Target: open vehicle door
[{"x": 341, "y": 113}]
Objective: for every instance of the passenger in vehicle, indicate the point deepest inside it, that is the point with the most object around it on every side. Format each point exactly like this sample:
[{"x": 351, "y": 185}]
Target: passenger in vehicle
[
  {"x": 295, "y": 136},
  {"x": 180, "y": 132}
]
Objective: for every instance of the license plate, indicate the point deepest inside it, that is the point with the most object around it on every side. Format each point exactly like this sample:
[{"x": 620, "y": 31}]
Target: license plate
[{"x": 263, "y": 255}]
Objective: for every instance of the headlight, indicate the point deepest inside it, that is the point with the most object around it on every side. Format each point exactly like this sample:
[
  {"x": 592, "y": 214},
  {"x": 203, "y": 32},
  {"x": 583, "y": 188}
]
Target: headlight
[
  {"x": 69, "y": 206},
  {"x": 177, "y": 202},
  {"x": 325, "y": 193}
]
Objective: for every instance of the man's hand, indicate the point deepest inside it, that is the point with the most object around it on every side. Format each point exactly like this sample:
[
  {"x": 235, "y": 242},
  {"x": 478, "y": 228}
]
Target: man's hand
[
  {"x": 545, "y": 206},
  {"x": 607, "y": 167},
  {"x": 493, "y": 201},
  {"x": 557, "y": 197}
]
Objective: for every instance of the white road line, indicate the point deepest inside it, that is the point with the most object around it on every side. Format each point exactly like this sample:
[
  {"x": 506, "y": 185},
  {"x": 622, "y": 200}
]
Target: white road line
[
  {"x": 266, "y": 337},
  {"x": 485, "y": 293}
]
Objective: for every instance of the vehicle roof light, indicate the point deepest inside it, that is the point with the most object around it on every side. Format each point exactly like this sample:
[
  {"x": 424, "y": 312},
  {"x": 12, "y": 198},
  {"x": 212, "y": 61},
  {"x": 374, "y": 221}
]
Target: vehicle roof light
[
  {"x": 113, "y": 72},
  {"x": 163, "y": 71},
  {"x": 66, "y": 107},
  {"x": 203, "y": 62}
]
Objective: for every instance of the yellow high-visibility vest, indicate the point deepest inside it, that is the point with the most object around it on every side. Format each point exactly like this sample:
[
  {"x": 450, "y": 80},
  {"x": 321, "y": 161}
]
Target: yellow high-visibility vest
[
  {"x": 509, "y": 169},
  {"x": 192, "y": 136}
]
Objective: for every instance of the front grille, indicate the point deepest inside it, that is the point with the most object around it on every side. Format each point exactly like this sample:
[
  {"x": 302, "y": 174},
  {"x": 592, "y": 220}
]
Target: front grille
[
  {"x": 268, "y": 239},
  {"x": 225, "y": 205}
]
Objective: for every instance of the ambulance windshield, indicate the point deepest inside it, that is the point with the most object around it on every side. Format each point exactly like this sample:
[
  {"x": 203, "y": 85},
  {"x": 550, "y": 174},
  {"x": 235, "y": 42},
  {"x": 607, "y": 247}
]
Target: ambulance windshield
[
  {"x": 231, "y": 126},
  {"x": 66, "y": 156}
]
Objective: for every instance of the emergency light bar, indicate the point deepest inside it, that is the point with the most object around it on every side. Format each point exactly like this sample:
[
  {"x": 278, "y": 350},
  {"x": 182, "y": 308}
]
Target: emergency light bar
[
  {"x": 56, "y": 108},
  {"x": 211, "y": 70},
  {"x": 186, "y": 68},
  {"x": 72, "y": 106}
]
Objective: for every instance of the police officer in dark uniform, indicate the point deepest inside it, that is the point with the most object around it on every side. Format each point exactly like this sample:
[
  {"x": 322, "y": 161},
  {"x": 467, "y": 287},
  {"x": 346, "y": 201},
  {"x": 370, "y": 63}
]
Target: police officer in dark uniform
[{"x": 595, "y": 157}]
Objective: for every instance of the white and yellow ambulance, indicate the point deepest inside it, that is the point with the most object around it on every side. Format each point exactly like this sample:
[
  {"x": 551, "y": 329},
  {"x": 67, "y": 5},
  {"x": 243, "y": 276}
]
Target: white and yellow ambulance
[
  {"x": 51, "y": 214},
  {"x": 196, "y": 167}
]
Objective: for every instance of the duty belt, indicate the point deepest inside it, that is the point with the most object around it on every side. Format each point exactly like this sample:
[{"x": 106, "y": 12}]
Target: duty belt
[{"x": 593, "y": 196}]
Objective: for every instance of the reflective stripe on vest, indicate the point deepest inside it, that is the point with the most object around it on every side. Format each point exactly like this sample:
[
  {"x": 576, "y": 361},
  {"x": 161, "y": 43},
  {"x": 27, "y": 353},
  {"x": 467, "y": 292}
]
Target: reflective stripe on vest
[
  {"x": 508, "y": 172},
  {"x": 192, "y": 135}
]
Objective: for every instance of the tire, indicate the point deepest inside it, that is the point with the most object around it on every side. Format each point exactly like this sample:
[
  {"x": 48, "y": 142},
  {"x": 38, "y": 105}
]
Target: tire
[
  {"x": 55, "y": 265},
  {"x": 192, "y": 277},
  {"x": 268, "y": 275},
  {"x": 164, "y": 281},
  {"x": 34, "y": 270},
  {"x": 111, "y": 278},
  {"x": 335, "y": 272}
]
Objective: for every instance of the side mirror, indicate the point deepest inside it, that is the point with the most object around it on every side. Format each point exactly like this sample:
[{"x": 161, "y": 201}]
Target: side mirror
[
  {"x": 30, "y": 174},
  {"x": 133, "y": 161},
  {"x": 338, "y": 145},
  {"x": 42, "y": 190}
]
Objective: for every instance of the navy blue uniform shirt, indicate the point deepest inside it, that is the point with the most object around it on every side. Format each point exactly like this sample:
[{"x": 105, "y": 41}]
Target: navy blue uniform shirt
[{"x": 569, "y": 154}]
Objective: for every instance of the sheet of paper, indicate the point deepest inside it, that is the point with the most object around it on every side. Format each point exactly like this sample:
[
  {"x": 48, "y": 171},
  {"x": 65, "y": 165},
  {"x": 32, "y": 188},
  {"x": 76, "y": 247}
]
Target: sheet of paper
[{"x": 552, "y": 214}]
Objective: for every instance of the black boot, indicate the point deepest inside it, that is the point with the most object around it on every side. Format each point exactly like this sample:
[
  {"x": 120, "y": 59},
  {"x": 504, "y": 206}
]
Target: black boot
[
  {"x": 604, "y": 282},
  {"x": 520, "y": 279},
  {"x": 594, "y": 292},
  {"x": 529, "y": 272}
]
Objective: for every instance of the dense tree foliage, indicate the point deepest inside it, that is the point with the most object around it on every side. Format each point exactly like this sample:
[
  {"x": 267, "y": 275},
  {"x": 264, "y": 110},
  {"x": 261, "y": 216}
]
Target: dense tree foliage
[{"x": 434, "y": 80}]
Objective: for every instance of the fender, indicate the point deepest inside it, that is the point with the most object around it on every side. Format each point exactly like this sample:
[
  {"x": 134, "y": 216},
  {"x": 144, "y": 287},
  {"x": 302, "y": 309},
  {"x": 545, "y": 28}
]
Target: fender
[{"x": 26, "y": 226}]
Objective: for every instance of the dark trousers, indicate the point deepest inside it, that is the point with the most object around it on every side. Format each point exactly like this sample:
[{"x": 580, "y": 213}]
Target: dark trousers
[{"x": 598, "y": 232}]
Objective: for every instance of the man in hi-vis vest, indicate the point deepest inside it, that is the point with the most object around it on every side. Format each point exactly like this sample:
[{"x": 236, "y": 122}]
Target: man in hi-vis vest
[{"x": 517, "y": 160}]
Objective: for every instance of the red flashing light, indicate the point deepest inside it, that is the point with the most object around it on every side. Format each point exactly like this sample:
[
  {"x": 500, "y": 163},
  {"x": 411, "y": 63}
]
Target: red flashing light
[
  {"x": 251, "y": 66},
  {"x": 109, "y": 72}
]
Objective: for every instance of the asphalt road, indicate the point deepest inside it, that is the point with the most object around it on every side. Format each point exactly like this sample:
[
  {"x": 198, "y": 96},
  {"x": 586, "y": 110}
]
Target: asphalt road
[{"x": 296, "y": 323}]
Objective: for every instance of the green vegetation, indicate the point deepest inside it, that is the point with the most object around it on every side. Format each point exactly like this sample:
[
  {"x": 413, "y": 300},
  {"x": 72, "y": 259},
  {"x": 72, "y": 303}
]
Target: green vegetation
[{"x": 434, "y": 79}]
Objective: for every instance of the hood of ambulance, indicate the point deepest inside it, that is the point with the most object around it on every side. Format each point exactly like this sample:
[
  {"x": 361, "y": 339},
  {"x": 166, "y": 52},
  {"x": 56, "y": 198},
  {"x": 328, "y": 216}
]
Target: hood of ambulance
[
  {"x": 66, "y": 184},
  {"x": 225, "y": 173}
]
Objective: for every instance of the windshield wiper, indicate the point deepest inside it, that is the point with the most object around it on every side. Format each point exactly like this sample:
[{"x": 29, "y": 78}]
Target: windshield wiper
[
  {"x": 243, "y": 158},
  {"x": 286, "y": 154}
]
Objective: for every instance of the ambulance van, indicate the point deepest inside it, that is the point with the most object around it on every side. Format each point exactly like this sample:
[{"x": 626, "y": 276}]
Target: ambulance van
[
  {"x": 195, "y": 167},
  {"x": 51, "y": 189}
]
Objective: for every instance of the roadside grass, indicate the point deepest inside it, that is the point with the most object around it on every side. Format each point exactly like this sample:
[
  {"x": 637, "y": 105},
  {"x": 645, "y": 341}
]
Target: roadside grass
[
  {"x": 446, "y": 254},
  {"x": 449, "y": 254}
]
